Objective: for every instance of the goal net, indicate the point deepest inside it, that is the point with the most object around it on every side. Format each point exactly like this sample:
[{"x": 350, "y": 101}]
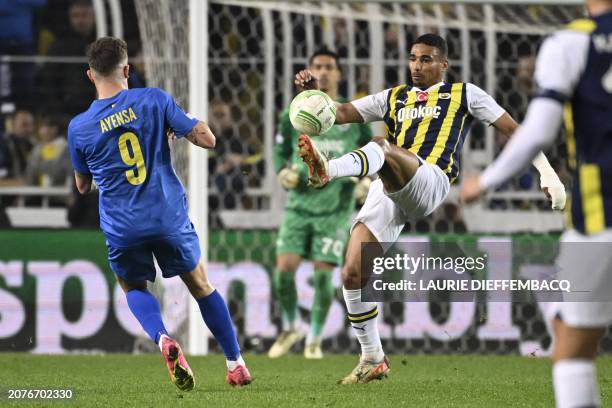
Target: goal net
[{"x": 254, "y": 48}]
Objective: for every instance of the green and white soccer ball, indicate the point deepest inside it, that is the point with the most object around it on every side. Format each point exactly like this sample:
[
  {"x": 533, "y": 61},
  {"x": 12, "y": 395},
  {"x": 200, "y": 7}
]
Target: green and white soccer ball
[{"x": 312, "y": 112}]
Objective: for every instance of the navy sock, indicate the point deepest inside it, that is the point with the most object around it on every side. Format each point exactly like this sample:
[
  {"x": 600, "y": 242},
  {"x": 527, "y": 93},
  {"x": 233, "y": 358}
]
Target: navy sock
[
  {"x": 217, "y": 318},
  {"x": 146, "y": 309}
]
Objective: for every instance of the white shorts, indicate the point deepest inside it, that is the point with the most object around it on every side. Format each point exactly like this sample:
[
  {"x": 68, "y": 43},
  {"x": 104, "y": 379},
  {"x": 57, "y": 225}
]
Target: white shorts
[
  {"x": 386, "y": 213},
  {"x": 589, "y": 269}
]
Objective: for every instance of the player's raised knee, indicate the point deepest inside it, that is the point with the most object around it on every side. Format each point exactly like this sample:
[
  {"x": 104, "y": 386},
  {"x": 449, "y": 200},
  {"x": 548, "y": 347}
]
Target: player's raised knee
[{"x": 382, "y": 142}]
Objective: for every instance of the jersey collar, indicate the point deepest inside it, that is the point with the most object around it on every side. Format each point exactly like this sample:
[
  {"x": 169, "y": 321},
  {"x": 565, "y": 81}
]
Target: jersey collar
[
  {"x": 110, "y": 98},
  {"x": 431, "y": 88}
]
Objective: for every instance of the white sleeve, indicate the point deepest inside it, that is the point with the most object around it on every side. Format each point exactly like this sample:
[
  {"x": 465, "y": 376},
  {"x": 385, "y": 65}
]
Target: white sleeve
[
  {"x": 561, "y": 62},
  {"x": 372, "y": 107},
  {"x": 538, "y": 131},
  {"x": 481, "y": 105}
]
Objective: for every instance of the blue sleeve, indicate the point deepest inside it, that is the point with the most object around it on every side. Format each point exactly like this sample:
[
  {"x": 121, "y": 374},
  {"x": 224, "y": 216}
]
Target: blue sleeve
[
  {"x": 76, "y": 155},
  {"x": 176, "y": 118}
]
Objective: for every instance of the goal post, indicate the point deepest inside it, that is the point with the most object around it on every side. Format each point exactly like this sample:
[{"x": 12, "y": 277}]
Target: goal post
[
  {"x": 178, "y": 64},
  {"x": 198, "y": 168}
]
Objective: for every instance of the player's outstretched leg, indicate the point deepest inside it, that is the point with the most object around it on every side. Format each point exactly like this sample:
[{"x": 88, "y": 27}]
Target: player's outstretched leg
[
  {"x": 358, "y": 163},
  {"x": 373, "y": 364},
  {"x": 574, "y": 374},
  {"x": 146, "y": 309},
  {"x": 399, "y": 168},
  {"x": 217, "y": 318},
  {"x": 286, "y": 292}
]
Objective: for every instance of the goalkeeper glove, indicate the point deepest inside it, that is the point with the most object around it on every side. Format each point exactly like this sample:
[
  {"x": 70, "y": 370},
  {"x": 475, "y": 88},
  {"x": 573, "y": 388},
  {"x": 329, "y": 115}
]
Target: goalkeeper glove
[
  {"x": 289, "y": 178},
  {"x": 550, "y": 181}
]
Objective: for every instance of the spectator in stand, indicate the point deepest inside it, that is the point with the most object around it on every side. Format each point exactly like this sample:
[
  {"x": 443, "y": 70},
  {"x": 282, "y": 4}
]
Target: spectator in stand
[
  {"x": 15, "y": 147},
  {"x": 17, "y": 37},
  {"x": 225, "y": 161},
  {"x": 49, "y": 163},
  {"x": 138, "y": 77},
  {"x": 232, "y": 161},
  {"x": 63, "y": 85},
  {"x": 525, "y": 69}
]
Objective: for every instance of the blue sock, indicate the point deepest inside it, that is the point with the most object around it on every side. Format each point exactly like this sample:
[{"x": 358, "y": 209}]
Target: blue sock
[
  {"x": 217, "y": 318},
  {"x": 145, "y": 308}
]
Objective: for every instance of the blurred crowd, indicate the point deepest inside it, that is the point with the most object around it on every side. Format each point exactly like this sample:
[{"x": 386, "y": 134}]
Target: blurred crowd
[
  {"x": 43, "y": 85},
  {"x": 42, "y": 44}
]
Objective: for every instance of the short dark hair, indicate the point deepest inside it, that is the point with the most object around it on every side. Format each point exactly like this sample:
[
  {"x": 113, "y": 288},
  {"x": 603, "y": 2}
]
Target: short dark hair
[
  {"x": 105, "y": 54},
  {"x": 327, "y": 53},
  {"x": 433, "y": 40}
]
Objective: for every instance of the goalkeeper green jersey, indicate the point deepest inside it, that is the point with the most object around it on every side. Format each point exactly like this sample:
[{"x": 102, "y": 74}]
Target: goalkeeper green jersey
[{"x": 340, "y": 139}]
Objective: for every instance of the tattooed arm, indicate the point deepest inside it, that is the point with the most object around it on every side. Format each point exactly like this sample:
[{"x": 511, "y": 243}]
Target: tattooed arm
[{"x": 201, "y": 136}]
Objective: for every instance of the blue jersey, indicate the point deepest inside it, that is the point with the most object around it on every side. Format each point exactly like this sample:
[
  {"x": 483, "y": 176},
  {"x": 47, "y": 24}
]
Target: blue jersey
[
  {"x": 121, "y": 141},
  {"x": 575, "y": 68}
]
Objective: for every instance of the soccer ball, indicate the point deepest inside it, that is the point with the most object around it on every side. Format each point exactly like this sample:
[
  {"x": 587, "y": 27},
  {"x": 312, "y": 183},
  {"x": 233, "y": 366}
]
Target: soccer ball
[{"x": 312, "y": 112}]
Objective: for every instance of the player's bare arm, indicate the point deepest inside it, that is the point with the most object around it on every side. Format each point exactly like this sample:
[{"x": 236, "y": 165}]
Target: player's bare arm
[
  {"x": 84, "y": 182},
  {"x": 530, "y": 138},
  {"x": 549, "y": 181},
  {"x": 506, "y": 125},
  {"x": 345, "y": 113},
  {"x": 202, "y": 136}
]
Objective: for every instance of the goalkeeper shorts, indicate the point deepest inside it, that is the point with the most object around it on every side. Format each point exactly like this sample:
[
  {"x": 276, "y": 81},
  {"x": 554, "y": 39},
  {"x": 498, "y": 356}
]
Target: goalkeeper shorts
[{"x": 315, "y": 237}]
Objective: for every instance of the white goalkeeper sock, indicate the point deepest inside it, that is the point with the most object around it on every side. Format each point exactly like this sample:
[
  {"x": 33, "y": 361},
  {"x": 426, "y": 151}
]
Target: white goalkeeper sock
[
  {"x": 575, "y": 382},
  {"x": 359, "y": 163},
  {"x": 363, "y": 317}
]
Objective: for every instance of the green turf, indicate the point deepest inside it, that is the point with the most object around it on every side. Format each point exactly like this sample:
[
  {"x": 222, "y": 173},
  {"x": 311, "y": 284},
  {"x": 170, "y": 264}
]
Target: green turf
[{"x": 419, "y": 381}]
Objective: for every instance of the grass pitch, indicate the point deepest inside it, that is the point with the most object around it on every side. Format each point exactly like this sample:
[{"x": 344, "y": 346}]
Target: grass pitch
[{"x": 414, "y": 381}]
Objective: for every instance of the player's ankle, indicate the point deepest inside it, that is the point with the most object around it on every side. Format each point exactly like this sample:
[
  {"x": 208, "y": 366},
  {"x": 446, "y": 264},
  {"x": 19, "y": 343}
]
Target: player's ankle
[
  {"x": 375, "y": 356},
  {"x": 233, "y": 364},
  {"x": 161, "y": 340},
  {"x": 312, "y": 339},
  {"x": 289, "y": 326}
]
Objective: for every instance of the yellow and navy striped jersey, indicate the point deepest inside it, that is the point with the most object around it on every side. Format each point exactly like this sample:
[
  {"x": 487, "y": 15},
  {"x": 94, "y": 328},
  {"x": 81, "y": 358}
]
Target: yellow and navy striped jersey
[
  {"x": 431, "y": 123},
  {"x": 575, "y": 68}
]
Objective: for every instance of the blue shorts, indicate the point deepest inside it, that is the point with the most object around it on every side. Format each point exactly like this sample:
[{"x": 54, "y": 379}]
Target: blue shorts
[{"x": 175, "y": 255}]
